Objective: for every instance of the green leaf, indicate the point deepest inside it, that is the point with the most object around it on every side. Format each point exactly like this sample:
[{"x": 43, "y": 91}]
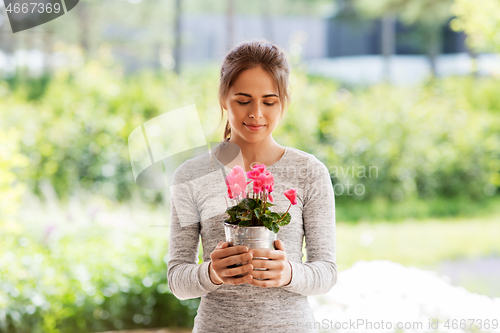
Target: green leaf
[
  {"x": 244, "y": 223},
  {"x": 269, "y": 204},
  {"x": 275, "y": 216},
  {"x": 233, "y": 209},
  {"x": 232, "y": 217},
  {"x": 245, "y": 217},
  {"x": 266, "y": 218},
  {"x": 286, "y": 219},
  {"x": 234, "y": 212},
  {"x": 267, "y": 221},
  {"x": 256, "y": 212},
  {"x": 244, "y": 204},
  {"x": 248, "y": 204},
  {"x": 275, "y": 227}
]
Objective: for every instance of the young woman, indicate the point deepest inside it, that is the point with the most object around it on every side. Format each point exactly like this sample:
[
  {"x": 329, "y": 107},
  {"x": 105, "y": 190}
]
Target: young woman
[{"x": 254, "y": 92}]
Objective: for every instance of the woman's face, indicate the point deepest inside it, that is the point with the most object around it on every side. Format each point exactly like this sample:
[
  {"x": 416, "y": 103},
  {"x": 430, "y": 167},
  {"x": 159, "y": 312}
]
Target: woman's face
[{"x": 253, "y": 93}]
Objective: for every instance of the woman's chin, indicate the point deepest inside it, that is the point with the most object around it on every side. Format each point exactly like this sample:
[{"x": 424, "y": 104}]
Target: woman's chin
[{"x": 254, "y": 138}]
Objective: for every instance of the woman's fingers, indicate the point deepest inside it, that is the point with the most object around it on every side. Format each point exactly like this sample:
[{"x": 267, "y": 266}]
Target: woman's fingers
[
  {"x": 279, "y": 245},
  {"x": 273, "y": 271},
  {"x": 268, "y": 264},
  {"x": 224, "y": 256},
  {"x": 267, "y": 253},
  {"x": 264, "y": 275},
  {"x": 264, "y": 283},
  {"x": 237, "y": 281},
  {"x": 243, "y": 258},
  {"x": 231, "y": 272},
  {"x": 270, "y": 269},
  {"x": 223, "y": 251}
]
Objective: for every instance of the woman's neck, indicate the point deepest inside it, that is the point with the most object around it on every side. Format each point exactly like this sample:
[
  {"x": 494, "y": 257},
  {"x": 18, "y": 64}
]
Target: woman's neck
[{"x": 265, "y": 152}]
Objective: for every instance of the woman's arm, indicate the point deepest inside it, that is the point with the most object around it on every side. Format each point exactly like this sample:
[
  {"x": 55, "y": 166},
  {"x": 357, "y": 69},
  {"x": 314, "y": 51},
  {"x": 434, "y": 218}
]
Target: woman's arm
[
  {"x": 186, "y": 278},
  {"x": 319, "y": 273}
]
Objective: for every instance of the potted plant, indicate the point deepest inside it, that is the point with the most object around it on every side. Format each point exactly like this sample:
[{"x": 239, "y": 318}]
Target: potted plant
[{"x": 251, "y": 222}]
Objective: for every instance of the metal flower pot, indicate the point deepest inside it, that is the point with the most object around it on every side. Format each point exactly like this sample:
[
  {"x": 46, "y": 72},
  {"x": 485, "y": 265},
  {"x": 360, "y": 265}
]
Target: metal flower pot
[{"x": 255, "y": 237}]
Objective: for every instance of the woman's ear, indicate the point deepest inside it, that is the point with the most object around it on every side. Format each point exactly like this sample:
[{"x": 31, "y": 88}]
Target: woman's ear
[{"x": 224, "y": 105}]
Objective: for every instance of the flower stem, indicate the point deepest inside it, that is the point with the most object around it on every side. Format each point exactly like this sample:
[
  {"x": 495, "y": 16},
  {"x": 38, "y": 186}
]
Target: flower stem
[{"x": 284, "y": 214}]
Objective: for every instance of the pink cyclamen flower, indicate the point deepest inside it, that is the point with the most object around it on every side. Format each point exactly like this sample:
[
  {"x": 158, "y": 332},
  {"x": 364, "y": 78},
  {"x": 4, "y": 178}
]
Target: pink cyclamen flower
[
  {"x": 270, "y": 197},
  {"x": 238, "y": 190},
  {"x": 256, "y": 171},
  {"x": 291, "y": 194},
  {"x": 267, "y": 179},
  {"x": 262, "y": 178},
  {"x": 229, "y": 192},
  {"x": 257, "y": 186},
  {"x": 236, "y": 182}
]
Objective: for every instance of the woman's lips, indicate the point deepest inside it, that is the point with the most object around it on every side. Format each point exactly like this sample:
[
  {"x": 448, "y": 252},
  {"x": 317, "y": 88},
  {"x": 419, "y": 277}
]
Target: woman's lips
[{"x": 254, "y": 128}]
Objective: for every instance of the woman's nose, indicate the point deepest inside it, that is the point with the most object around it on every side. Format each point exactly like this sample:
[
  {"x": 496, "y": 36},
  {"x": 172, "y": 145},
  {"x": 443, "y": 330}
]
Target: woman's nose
[{"x": 255, "y": 112}]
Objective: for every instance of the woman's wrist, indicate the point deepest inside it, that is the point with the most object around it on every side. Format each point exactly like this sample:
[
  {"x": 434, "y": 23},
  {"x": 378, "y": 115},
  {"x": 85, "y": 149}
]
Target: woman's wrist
[{"x": 213, "y": 276}]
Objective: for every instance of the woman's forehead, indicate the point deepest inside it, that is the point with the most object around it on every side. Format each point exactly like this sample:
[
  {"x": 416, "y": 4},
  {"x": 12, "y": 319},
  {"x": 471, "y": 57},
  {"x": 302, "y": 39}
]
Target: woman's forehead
[{"x": 254, "y": 88}]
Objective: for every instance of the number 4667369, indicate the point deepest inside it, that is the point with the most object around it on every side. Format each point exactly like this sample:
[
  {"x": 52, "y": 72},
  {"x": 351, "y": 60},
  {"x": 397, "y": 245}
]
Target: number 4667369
[
  {"x": 33, "y": 7},
  {"x": 480, "y": 324}
]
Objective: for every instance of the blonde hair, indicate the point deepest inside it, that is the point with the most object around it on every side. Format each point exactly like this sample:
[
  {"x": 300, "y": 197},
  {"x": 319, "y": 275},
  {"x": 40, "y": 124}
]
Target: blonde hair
[{"x": 250, "y": 54}]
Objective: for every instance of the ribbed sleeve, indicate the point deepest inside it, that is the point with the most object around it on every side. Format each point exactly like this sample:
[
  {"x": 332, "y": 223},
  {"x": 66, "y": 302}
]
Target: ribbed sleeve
[
  {"x": 319, "y": 273},
  {"x": 186, "y": 278}
]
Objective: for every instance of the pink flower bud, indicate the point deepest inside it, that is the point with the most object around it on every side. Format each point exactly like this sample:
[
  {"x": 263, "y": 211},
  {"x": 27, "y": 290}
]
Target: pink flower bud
[{"x": 291, "y": 194}]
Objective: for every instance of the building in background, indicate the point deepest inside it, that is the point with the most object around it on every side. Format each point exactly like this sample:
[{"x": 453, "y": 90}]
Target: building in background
[
  {"x": 350, "y": 34},
  {"x": 343, "y": 45}
]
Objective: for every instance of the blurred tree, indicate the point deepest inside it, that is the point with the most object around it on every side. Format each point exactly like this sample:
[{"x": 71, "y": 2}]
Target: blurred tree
[
  {"x": 84, "y": 22},
  {"x": 11, "y": 159},
  {"x": 177, "y": 30},
  {"x": 145, "y": 31},
  {"x": 267, "y": 20},
  {"x": 388, "y": 42},
  {"x": 230, "y": 24},
  {"x": 430, "y": 15},
  {"x": 316, "y": 8},
  {"x": 481, "y": 23}
]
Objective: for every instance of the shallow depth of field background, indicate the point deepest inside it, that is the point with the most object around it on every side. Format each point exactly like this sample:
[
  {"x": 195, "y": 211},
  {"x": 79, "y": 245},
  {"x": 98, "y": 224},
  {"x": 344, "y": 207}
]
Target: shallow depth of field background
[{"x": 399, "y": 98}]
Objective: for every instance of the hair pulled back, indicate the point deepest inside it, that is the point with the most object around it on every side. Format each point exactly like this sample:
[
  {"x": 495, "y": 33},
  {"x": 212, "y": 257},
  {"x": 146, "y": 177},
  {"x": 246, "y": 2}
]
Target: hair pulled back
[{"x": 250, "y": 54}]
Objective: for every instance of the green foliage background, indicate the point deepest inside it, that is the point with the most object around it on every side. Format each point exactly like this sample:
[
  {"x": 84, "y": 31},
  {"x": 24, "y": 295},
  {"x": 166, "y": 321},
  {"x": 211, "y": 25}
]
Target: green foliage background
[
  {"x": 433, "y": 150},
  {"x": 87, "y": 280},
  {"x": 421, "y": 143}
]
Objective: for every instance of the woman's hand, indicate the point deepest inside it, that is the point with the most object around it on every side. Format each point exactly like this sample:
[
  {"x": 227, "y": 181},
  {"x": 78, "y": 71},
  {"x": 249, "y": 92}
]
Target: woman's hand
[
  {"x": 224, "y": 256},
  {"x": 279, "y": 271}
]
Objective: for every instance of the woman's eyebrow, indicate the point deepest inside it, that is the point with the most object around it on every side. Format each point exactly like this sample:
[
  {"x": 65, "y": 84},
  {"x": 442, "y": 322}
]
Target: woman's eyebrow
[{"x": 248, "y": 95}]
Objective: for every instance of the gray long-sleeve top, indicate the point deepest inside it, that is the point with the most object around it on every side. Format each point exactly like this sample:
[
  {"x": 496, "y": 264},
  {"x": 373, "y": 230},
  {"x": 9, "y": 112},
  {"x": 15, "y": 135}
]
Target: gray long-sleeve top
[{"x": 198, "y": 208}]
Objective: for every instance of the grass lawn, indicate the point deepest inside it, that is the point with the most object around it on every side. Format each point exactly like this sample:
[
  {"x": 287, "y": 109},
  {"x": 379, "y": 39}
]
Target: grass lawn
[{"x": 418, "y": 243}]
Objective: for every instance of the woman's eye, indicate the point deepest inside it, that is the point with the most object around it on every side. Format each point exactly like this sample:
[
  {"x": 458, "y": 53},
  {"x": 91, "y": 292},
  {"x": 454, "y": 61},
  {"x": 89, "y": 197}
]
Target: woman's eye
[{"x": 243, "y": 103}]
